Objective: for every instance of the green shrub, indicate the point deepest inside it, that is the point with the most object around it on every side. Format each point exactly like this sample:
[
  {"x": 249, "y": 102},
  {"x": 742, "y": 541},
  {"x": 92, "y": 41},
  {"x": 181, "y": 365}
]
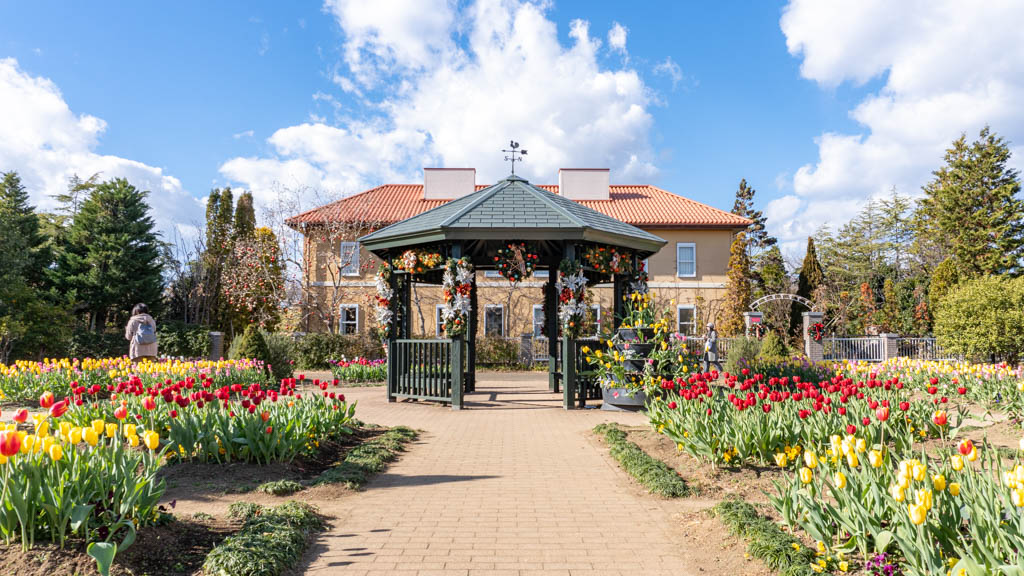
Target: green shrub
[
  {"x": 369, "y": 458},
  {"x": 180, "y": 339},
  {"x": 280, "y": 353},
  {"x": 279, "y": 487},
  {"x": 315, "y": 351},
  {"x": 652, "y": 473},
  {"x": 782, "y": 552},
  {"x": 270, "y": 542},
  {"x": 772, "y": 347},
  {"x": 983, "y": 319},
  {"x": 742, "y": 352},
  {"x": 252, "y": 345},
  {"x": 87, "y": 344},
  {"x": 498, "y": 352}
]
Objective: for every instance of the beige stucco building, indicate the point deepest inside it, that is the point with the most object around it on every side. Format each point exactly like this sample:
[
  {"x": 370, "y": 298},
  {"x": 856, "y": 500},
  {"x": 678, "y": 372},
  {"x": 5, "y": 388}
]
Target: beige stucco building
[{"x": 339, "y": 275}]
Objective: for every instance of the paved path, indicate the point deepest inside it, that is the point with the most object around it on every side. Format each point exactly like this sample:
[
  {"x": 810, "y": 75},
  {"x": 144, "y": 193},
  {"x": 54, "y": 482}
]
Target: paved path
[{"x": 512, "y": 485}]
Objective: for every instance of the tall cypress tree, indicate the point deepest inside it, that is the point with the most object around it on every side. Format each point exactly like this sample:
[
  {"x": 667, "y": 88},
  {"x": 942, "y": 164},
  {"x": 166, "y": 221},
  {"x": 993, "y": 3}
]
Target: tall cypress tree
[
  {"x": 810, "y": 278},
  {"x": 245, "y": 216},
  {"x": 973, "y": 203},
  {"x": 19, "y": 217},
  {"x": 737, "y": 288},
  {"x": 112, "y": 258},
  {"x": 757, "y": 236}
]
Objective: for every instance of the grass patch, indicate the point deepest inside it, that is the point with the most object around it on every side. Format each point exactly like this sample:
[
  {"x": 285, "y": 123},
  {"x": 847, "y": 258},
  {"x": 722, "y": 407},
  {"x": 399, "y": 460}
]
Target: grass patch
[
  {"x": 280, "y": 487},
  {"x": 653, "y": 474},
  {"x": 369, "y": 458},
  {"x": 270, "y": 542},
  {"x": 781, "y": 551}
]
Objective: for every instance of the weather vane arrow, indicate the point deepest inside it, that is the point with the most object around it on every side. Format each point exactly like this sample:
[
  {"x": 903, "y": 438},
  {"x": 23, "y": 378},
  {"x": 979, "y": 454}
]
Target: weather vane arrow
[{"x": 511, "y": 154}]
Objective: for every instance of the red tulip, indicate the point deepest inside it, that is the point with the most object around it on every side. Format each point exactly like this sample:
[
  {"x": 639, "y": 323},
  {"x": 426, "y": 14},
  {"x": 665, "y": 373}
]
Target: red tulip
[
  {"x": 58, "y": 409},
  {"x": 766, "y": 408},
  {"x": 265, "y": 416},
  {"x": 882, "y": 413},
  {"x": 10, "y": 443},
  {"x": 173, "y": 413},
  {"x": 46, "y": 400},
  {"x": 148, "y": 403},
  {"x": 932, "y": 389},
  {"x": 965, "y": 447},
  {"x": 939, "y": 418},
  {"x": 904, "y": 406},
  {"x": 672, "y": 405},
  {"x": 120, "y": 413},
  {"x": 961, "y": 390},
  {"x": 21, "y": 416},
  {"x": 850, "y": 429},
  {"x": 866, "y": 421},
  {"x": 933, "y": 381},
  {"x": 270, "y": 429}
]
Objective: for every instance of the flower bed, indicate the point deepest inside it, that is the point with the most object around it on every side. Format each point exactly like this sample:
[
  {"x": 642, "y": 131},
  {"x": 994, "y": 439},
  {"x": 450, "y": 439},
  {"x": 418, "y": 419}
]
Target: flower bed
[{"x": 359, "y": 370}]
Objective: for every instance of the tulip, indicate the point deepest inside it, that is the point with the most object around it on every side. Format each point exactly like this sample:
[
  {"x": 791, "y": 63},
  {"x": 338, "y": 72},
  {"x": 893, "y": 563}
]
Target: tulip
[
  {"x": 120, "y": 413},
  {"x": 897, "y": 492},
  {"x": 954, "y": 488},
  {"x": 10, "y": 443},
  {"x": 129, "y": 430},
  {"x": 152, "y": 440},
  {"x": 133, "y": 441},
  {"x": 919, "y": 471},
  {"x": 806, "y": 475},
  {"x": 58, "y": 409},
  {"x": 270, "y": 429},
  {"x": 840, "y": 480},
  {"x": 90, "y": 436},
  {"x": 148, "y": 403},
  {"x": 98, "y": 426},
  {"x": 46, "y": 400},
  {"x": 939, "y": 417},
  {"x": 904, "y": 406},
  {"x": 781, "y": 459},
  {"x": 852, "y": 460},
  {"x": 939, "y": 482},
  {"x": 55, "y": 452},
  {"x": 917, "y": 513},
  {"x": 882, "y": 413},
  {"x": 21, "y": 416},
  {"x": 76, "y": 435},
  {"x": 810, "y": 459},
  {"x": 958, "y": 462},
  {"x": 973, "y": 455},
  {"x": 850, "y": 429},
  {"x": 1017, "y": 497},
  {"x": 111, "y": 430},
  {"x": 965, "y": 447},
  {"x": 875, "y": 459}
]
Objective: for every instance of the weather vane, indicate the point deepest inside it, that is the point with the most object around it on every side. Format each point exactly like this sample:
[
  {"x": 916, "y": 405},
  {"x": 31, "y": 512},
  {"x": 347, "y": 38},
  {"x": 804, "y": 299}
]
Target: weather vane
[{"x": 512, "y": 155}]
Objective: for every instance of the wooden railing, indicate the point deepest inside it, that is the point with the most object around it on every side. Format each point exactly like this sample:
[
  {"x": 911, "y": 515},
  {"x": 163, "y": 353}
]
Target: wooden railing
[{"x": 427, "y": 370}]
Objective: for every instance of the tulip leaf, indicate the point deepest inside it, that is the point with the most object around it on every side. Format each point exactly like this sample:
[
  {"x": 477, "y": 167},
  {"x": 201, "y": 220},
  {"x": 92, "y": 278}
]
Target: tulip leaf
[
  {"x": 969, "y": 566},
  {"x": 79, "y": 515},
  {"x": 882, "y": 541},
  {"x": 103, "y": 553}
]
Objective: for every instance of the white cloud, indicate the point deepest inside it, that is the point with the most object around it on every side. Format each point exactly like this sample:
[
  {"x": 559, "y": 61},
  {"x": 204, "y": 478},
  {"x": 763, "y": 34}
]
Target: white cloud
[
  {"x": 243, "y": 134},
  {"x": 47, "y": 143},
  {"x": 948, "y": 67},
  {"x": 671, "y": 69},
  {"x": 457, "y": 105},
  {"x": 617, "y": 38}
]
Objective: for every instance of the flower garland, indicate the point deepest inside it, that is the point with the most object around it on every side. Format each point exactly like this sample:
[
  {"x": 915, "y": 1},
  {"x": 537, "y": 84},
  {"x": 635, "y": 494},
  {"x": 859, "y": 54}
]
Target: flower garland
[
  {"x": 572, "y": 293},
  {"x": 417, "y": 261},
  {"x": 638, "y": 282},
  {"x": 516, "y": 261},
  {"x": 818, "y": 330},
  {"x": 456, "y": 285},
  {"x": 382, "y": 307},
  {"x": 607, "y": 260}
]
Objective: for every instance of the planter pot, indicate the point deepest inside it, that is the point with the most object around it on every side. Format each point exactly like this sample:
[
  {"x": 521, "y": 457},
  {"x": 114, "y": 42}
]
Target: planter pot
[
  {"x": 634, "y": 365},
  {"x": 629, "y": 334},
  {"x": 616, "y": 399}
]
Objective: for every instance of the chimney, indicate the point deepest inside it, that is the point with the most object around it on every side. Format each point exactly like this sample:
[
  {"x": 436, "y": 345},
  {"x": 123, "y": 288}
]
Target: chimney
[
  {"x": 583, "y": 183},
  {"x": 448, "y": 183}
]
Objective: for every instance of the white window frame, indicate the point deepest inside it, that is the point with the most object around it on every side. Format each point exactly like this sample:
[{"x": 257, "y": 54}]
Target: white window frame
[
  {"x": 492, "y": 274},
  {"x": 488, "y": 307},
  {"x": 341, "y": 318},
  {"x": 541, "y": 273},
  {"x": 679, "y": 269},
  {"x": 438, "y": 322},
  {"x": 538, "y": 331},
  {"x": 597, "y": 319},
  {"x": 352, "y": 268},
  {"x": 693, "y": 317}
]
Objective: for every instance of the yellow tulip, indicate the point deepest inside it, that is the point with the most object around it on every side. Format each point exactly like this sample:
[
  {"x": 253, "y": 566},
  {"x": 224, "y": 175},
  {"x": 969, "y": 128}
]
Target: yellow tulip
[
  {"x": 781, "y": 459},
  {"x": 897, "y": 492},
  {"x": 65, "y": 429},
  {"x": 91, "y": 436},
  {"x": 111, "y": 430},
  {"x": 917, "y": 514},
  {"x": 851, "y": 459},
  {"x": 1017, "y": 497},
  {"x": 958, "y": 462},
  {"x": 56, "y": 452},
  {"x": 939, "y": 482},
  {"x": 810, "y": 459},
  {"x": 98, "y": 425},
  {"x": 133, "y": 440},
  {"x": 840, "y": 480},
  {"x": 129, "y": 429},
  {"x": 919, "y": 472},
  {"x": 152, "y": 440},
  {"x": 974, "y": 453},
  {"x": 954, "y": 488},
  {"x": 924, "y": 498},
  {"x": 806, "y": 475},
  {"x": 27, "y": 443},
  {"x": 76, "y": 435},
  {"x": 3, "y": 459},
  {"x": 875, "y": 459}
]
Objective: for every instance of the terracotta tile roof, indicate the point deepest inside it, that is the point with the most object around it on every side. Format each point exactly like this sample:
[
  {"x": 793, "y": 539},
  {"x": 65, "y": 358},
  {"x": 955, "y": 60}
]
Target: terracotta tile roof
[{"x": 639, "y": 205}]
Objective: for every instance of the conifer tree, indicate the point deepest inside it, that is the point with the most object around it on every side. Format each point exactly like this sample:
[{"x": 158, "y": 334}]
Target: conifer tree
[
  {"x": 738, "y": 289},
  {"x": 757, "y": 237},
  {"x": 810, "y": 278},
  {"x": 245, "y": 216}
]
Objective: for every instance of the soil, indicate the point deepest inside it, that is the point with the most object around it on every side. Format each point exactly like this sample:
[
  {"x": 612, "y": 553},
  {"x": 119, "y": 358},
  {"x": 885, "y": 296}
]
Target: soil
[{"x": 175, "y": 549}]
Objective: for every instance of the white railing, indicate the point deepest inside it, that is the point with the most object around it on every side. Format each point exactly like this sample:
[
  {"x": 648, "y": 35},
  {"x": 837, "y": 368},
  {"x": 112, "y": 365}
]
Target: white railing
[
  {"x": 923, "y": 349},
  {"x": 868, "y": 348}
]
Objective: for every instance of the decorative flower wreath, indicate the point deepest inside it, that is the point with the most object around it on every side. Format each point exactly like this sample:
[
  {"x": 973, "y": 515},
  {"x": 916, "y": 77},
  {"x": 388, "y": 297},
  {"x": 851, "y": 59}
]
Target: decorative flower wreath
[
  {"x": 638, "y": 282},
  {"x": 417, "y": 261},
  {"x": 516, "y": 261},
  {"x": 818, "y": 329},
  {"x": 456, "y": 285},
  {"x": 382, "y": 305},
  {"x": 608, "y": 260},
  {"x": 572, "y": 294}
]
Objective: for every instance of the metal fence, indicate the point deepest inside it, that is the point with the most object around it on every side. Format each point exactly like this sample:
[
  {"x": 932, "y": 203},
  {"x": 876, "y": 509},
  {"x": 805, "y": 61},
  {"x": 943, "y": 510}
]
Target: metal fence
[
  {"x": 923, "y": 349},
  {"x": 867, "y": 348}
]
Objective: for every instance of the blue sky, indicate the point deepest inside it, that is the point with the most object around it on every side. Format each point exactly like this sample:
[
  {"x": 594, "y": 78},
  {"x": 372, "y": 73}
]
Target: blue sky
[{"x": 345, "y": 95}]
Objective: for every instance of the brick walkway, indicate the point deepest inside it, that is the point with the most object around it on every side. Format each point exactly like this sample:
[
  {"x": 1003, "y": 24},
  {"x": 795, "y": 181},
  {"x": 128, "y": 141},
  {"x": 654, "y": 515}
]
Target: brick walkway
[{"x": 511, "y": 485}]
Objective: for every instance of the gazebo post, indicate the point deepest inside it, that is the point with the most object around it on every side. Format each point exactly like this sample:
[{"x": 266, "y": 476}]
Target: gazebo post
[
  {"x": 619, "y": 300},
  {"x": 389, "y": 338},
  {"x": 458, "y": 358},
  {"x": 551, "y": 323},
  {"x": 473, "y": 322},
  {"x": 568, "y": 352}
]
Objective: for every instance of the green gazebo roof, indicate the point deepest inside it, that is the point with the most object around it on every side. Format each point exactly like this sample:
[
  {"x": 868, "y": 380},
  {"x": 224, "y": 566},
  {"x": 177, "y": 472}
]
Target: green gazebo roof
[{"x": 512, "y": 209}]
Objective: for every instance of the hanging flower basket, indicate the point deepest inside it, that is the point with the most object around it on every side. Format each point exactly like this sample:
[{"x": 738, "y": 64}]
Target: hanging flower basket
[
  {"x": 608, "y": 260},
  {"x": 456, "y": 286},
  {"x": 516, "y": 261},
  {"x": 417, "y": 261}
]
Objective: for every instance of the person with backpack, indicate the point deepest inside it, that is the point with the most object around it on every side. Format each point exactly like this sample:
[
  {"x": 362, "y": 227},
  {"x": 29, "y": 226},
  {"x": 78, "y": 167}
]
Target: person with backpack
[
  {"x": 711, "y": 349},
  {"x": 141, "y": 334}
]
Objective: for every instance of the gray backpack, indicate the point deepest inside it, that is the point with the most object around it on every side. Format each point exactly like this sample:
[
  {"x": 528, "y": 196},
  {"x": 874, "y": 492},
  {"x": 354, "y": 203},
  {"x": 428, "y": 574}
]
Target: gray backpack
[{"x": 145, "y": 334}]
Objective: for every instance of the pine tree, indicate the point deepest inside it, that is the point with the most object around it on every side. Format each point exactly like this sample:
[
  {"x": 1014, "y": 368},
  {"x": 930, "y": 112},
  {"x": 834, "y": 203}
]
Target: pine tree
[
  {"x": 757, "y": 236},
  {"x": 810, "y": 278},
  {"x": 18, "y": 216},
  {"x": 738, "y": 289},
  {"x": 773, "y": 280},
  {"x": 245, "y": 216},
  {"x": 973, "y": 203},
  {"x": 112, "y": 260}
]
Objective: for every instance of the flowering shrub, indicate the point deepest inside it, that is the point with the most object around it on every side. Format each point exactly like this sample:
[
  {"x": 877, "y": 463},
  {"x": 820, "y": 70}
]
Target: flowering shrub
[{"x": 359, "y": 370}]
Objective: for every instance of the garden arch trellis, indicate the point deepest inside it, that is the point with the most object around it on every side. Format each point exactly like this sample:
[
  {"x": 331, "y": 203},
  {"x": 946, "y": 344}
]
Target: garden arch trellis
[
  {"x": 756, "y": 304},
  {"x": 475, "y": 227}
]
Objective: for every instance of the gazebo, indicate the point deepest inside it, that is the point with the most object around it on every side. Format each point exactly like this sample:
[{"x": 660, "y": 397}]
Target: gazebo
[{"x": 512, "y": 227}]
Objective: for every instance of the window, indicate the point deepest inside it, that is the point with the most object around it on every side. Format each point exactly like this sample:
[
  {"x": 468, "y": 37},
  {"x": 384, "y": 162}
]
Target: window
[
  {"x": 494, "y": 320},
  {"x": 686, "y": 259},
  {"x": 594, "y": 318},
  {"x": 538, "y": 320},
  {"x": 349, "y": 259},
  {"x": 686, "y": 320},
  {"x": 540, "y": 273},
  {"x": 438, "y": 321},
  {"x": 348, "y": 320},
  {"x": 646, "y": 262},
  {"x": 492, "y": 274}
]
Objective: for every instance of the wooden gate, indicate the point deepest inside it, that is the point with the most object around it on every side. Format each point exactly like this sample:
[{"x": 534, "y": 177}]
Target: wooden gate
[{"x": 427, "y": 370}]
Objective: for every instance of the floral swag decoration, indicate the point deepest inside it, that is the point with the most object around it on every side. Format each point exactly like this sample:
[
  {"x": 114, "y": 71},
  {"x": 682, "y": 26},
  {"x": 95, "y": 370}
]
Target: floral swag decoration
[
  {"x": 638, "y": 281},
  {"x": 516, "y": 261},
  {"x": 818, "y": 330},
  {"x": 382, "y": 305},
  {"x": 417, "y": 261},
  {"x": 608, "y": 260},
  {"x": 572, "y": 292},
  {"x": 456, "y": 285}
]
